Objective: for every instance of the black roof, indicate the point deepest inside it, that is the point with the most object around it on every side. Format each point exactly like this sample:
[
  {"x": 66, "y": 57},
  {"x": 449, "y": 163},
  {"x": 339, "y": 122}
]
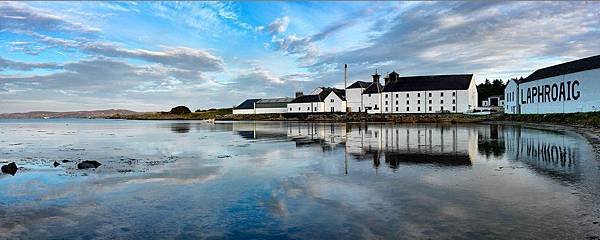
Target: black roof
[
  {"x": 429, "y": 83},
  {"x": 248, "y": 104},
  {"x": 375, "y": 87},
  {"x": 565, "y": 68},
  {"x": 359, "y": 84},
  {"x": 321, "y": 96}
]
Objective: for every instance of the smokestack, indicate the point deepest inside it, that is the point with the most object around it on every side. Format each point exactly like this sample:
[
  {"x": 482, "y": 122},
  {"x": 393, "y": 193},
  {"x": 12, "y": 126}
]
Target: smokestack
[
  {"x": 299, "y": 94},
  {"x": 345, "y": 76},
  {"x": 376, "y": 76}
]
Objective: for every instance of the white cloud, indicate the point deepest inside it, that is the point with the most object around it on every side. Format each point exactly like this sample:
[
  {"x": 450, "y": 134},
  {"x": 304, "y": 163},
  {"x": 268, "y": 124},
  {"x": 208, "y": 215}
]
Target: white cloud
[{"x": 279, "y": 25}]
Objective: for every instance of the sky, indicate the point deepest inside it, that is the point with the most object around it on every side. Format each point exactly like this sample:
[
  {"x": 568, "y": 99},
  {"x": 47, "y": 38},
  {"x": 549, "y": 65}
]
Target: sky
[{"x": 151, "y": 56}]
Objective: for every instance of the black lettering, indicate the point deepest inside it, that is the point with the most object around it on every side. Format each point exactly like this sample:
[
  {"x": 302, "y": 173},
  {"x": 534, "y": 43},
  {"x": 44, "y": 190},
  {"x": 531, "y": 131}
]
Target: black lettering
[
  {"x": 547, "y": 93},
  {"x": 522, "y": 99},
  {"x": 534, "y": 92},
  {"x": 561, "y": 95},
  {"x": 575, "y": 96},
  {"x": 528, "y": 95},
  {"x": 554, "y": 92},
  {"x": 540, "y": 93}
]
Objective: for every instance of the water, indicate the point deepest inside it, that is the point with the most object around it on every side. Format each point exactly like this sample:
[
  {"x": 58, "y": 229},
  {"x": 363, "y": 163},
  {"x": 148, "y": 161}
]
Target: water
[{"x": 246, "y": 180}]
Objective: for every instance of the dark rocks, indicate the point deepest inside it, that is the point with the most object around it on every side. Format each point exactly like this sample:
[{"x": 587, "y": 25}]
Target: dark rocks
[
  {"x": 65, "y": 161},
  {"x": 56, "y": 164},
  {"x": 224, "y": 156},
  {"x": 10, "y": 168},
  {"x": 88, "y": 164}
]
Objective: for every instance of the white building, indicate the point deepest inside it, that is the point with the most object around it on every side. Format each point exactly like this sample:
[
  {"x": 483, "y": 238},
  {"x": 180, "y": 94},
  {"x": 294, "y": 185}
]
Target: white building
[
  {"x": 493, "y": 101},
  {"x": 315, "y": 102},
  {"x": 418, "y": 94},
  {"x": 563, "y": 88},
  {"x": 510, "y": 97},
  {"x": 246, "y": 107},
  {"x": 354, "y": 98}
]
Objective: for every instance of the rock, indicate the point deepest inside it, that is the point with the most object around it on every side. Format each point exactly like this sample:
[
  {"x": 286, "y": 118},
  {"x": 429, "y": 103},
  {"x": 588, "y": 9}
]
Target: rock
[
  {"x": 56, "y": 164},
  {"x": 88, "y": 164},
  {"x": 65, "y": 161},
  {"x": 10, "y": 168}
]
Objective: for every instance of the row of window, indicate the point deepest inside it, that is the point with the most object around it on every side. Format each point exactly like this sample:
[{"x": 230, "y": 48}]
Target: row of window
[
  {"x": 419, "y": 102},
  {"x": 419, "y": 109},
  {"x": 510, "y": 97},
  {"x": 419, "y": 95},
  {"x": 307, "y": 109}
]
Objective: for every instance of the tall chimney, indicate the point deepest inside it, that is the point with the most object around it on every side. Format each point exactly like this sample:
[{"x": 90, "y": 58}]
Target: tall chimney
[
  {"x": 376, "y": 76},
  {"x": 345, "y": 76},
  {"x": 299, "y": 94}
]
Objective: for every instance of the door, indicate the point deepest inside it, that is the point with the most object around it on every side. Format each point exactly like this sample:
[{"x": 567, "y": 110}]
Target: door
[{"x": 332, "y": 109}]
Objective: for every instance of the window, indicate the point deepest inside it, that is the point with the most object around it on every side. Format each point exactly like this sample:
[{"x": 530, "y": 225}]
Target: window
[
  {"x": 407, "y": 95},
  {"x": 453, "y": 94},
  {"x": 396, "y": 95},
  {"x": 453, "y": 101},
  {"x": 453, "y": 108},
  {"x": 315, "y": 108},
  {"x": 407, "y": 102},
  {"x": 376, "y": 107},
  {"x": 407, "y": 109},
  {"x": 396, "y": 102},
  {"x": 386, "y": 109},
  {"x": 441, "y": 94},
  {"x": 429, "y": 101},
  {"x": 369, "y": 95},
  {"x": 442, "y": 108},
  {"x": 396, "y": 109},
  {"x": 386, "y": 102},
  {"x": 298, "y": 108},
  {"x": 430, "y": 108},
  {"x": 442, "y": 101},
  {"x": 418, "y": 94},
  {"x": 308, "y": 108},
  {"x": 290, "y": 109},
  {"x": 419, "y": 101},
  {"x": 386, "y": 95},
  {"x": 429, "y": 94},
  {"x": 418, "y": 109},
  {"x": 332, "y": 100}
]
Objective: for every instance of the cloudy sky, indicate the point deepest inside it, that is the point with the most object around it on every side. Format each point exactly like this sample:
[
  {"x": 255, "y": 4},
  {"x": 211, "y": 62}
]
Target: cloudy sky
[{"x": 149, "y": 56}]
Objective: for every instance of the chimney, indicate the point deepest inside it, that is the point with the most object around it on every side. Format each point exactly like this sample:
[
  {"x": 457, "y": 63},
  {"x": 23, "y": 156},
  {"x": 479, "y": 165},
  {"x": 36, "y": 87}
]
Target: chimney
[
  {"x": 376, "y": 76},
  {"x": 299, "y": 94},
  {"x": 392, "y": 77}
]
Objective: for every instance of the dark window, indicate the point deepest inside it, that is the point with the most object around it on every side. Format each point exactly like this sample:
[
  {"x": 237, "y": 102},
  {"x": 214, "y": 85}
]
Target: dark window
[
  {"x": 396, "y": 109},
  {"x": 332, "y": 100},
  {"x": 429, "y": 101},
  {"x": 430, "y": 108},
  {"x": 290, "y": 109},
  {"x": 418, "y": 101},
  {"x": 396, "y": 95},
  {"x": 418, "y": 109},
  {"x": 298, "y": 108},
  {"x": 386, "y": 96},
  {"x": 376, "y": 107},
  {"x": 442, "y": 94},
  {"x": 386, "y": 109},
  {"x": 442, "y": 109},
  {"x": 418, "y": 94},
  {"x": 453, "y": 94},
  {"x": 429, "y": 94},
  {"x": 453, "y": 108},
  {"x": 407, "y": 109},
  {"x": 315, "y": 108},
  {"x": 442, "y": 101},
  {"x": 453, "y": 101},
  {"x": 308, "y": 108},
  {"x": 386, "y": 102},
  {"x": 407, "y": 95},
  {"x": 407, "y": 102},
  {"x": 396, "y": 102},
  {"x": 369, "y": 95}
]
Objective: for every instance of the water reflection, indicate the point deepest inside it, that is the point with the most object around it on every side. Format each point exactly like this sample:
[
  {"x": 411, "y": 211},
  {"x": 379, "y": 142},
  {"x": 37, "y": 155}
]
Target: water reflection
[
  {"x": 548, "y": 153},
  {"x": 180, "y": 127}
]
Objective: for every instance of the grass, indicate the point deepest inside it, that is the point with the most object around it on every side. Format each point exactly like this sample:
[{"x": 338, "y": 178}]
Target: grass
[{"x": 208, "y": 114}]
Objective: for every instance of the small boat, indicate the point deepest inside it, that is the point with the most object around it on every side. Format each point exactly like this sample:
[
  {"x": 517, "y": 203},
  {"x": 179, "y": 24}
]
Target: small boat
[{"x": 46, "y": 117}]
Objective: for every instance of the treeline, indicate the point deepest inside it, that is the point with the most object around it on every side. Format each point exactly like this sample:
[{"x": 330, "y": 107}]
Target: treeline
[{"x": 491, "y": 88}]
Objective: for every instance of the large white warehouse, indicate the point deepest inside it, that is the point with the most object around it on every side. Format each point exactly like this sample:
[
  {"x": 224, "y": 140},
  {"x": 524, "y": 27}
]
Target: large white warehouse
[{"x": 563, "y": 88}]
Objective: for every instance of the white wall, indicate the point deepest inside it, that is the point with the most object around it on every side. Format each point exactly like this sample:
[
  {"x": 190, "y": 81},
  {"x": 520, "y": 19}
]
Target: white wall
[
  {"x": 419, "y": 101},
  {"x": 333, "y": 101},
  {"x": 354, "y": 99},
  {"x": 372, "y": 101},
  {"x": 511, "y": 98},
  {"x": 580, "y": 94},
  {"x": 243, "y": 111},
  {"x": 271, "y": 110},
  {"x": 305, "y": 107}
]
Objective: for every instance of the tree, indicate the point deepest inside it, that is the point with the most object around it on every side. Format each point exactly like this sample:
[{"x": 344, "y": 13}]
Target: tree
[
  {"x": 180, "y": 110},
  {"x": 490, "y": 88}
]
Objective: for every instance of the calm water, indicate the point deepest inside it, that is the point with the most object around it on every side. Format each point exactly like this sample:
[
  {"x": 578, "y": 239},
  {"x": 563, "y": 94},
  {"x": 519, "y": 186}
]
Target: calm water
[{"x": 190, "y": 180}]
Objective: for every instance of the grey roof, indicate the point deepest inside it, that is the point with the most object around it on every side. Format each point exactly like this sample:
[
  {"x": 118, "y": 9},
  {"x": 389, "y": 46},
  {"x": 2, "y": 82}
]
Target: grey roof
[
  {"x": 565, "y": 68},
  {"x": 248, "y": 104},
  {"x": 321, "y": 96},
  {"x": 375, "y": 87},
  {"x": 359, "y": 84},
  {"x": 273, "y": 102},
  {"x": 430, "y": 83}
]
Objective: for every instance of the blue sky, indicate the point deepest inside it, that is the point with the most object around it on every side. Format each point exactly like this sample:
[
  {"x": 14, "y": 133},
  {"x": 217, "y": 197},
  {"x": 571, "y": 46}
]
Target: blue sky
[{"x": 150, "y": 56}]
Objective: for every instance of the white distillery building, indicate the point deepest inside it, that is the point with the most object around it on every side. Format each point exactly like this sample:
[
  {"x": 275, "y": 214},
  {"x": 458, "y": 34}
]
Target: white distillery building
[
  {"x": 246, "y": 107},
  {"x": 322, "y": 99},
  {"x": 419, "y": 94},
  {"x": 263, "y": 106},
  {"x": 564, "y": 88},
  {"x": 354, "y": 95}
]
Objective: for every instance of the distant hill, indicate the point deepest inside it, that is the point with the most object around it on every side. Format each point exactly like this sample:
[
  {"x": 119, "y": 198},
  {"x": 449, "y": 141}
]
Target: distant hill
[{"x": 74, "y": 114}]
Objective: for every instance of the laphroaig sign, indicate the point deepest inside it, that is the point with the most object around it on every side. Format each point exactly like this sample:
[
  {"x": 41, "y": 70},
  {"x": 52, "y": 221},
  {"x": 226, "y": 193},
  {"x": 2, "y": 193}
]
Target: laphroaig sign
[{"x": 556, "y": 92}]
